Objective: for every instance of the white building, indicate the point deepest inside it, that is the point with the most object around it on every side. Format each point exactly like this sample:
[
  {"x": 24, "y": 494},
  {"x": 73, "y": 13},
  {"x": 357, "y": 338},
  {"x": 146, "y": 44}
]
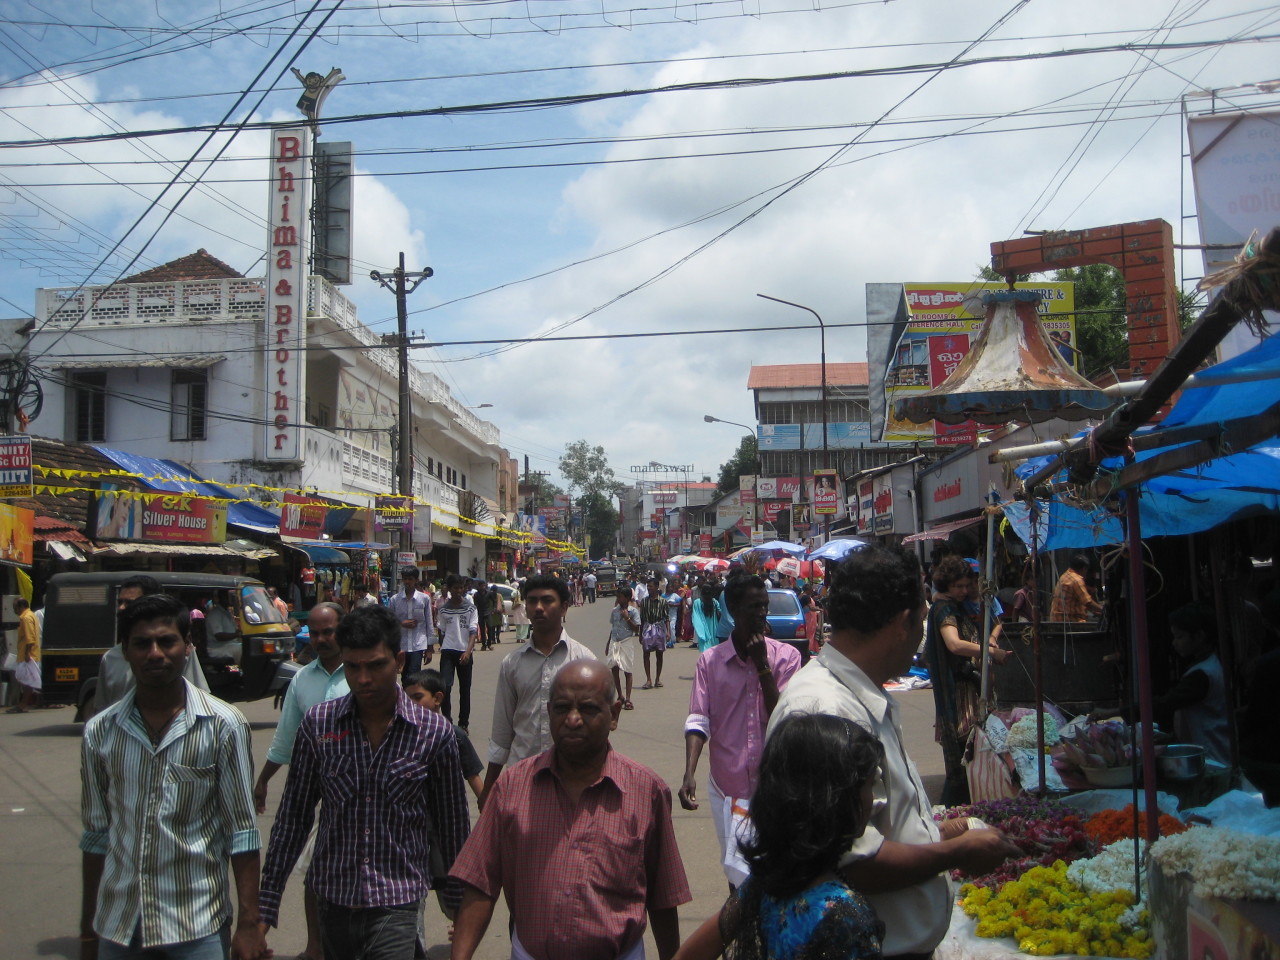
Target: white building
[{"x": 171, "y": 364}]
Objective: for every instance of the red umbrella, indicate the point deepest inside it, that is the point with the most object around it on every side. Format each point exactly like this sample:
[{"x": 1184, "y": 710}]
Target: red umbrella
[
  {"x": 799, "y": 568},
  {"x": 711, "y": 563}
]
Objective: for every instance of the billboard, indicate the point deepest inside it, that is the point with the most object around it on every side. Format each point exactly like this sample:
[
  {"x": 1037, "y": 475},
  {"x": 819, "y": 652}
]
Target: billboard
[
  {"x": 1235, "y": 167},
  {"x": 288, "y": 261},
  {"x": 841, "y": 435},
  {"x": 302, "y": 517},
  {"x": 122, "y": 514},
  {"x": 15, "y": 467},
  {"x": 826, "y": 496},
  {"x": 919, "y": 332},
  {"x": 393, "y": 514},
  {"x": 17, "y": 530},
  {"x": 777, "y": 488}
]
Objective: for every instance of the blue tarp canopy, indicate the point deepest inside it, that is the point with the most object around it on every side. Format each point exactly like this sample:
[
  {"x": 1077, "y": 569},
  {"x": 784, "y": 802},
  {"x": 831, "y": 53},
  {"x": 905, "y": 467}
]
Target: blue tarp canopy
[
  {"x": 1191, "y": 500},
  {"x": 173, "y": 477}
]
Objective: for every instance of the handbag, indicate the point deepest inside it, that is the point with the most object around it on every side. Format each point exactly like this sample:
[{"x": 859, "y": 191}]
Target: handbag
[{"x": 9, "y": 661}]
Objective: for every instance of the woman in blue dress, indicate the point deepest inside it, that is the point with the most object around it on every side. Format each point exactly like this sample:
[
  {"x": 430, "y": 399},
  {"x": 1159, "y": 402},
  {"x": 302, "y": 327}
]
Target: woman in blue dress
[
  {"x": 706, "y": 616},
  {"x": 812, "y": 801}
]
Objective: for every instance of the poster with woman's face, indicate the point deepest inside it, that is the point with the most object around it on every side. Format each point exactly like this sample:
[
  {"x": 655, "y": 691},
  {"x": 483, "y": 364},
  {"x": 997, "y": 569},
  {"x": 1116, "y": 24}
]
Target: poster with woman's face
[{"x": 119, "y": 514}]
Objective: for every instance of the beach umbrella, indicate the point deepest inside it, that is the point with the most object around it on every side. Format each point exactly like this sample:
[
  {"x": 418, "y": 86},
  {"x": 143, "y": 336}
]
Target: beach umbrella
[
  {"x": 711, "y": 564},
  {"x": 836, "y": 549},
  {"x": 792, "y": 548},
  {"x": 792, "y": 567}
]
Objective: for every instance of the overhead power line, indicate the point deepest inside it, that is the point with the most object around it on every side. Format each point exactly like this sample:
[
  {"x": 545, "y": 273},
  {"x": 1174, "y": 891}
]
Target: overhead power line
[{"x": 575, "y": 100}]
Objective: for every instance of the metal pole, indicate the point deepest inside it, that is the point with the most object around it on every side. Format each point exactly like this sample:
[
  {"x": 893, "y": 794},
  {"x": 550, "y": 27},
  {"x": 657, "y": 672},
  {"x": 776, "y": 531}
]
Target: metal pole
[
  {"x": 398, "y": 285},
  {"x": 1142, "y": 658},
  {"x": 1035, "y": 646},
  {"x": 987, "y": 594}
]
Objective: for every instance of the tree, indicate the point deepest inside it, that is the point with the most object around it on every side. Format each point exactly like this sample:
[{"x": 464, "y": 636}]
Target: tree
[
  {"x": 599, "y": 522},
  {"x": 543, "y": 492},
  {"x": 587, "y": 471},
  {"x": 743, "y": 461}
]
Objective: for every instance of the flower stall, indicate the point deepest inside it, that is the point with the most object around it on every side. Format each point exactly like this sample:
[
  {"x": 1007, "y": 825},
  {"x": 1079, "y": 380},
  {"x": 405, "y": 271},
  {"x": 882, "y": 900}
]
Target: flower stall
[{"x": 1202, "y": 891}]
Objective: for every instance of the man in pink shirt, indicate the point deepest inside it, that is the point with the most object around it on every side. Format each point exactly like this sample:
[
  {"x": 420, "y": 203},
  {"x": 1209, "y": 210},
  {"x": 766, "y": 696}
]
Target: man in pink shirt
[{"x": 735, "y": 688}]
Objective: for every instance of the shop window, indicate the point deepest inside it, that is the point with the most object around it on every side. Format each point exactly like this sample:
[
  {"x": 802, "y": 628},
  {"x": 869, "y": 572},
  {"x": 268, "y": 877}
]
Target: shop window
[
  {"x": 188, "y": 412},
  {"x": 89, "y": 406},
  {"x": 463, "y": 484}
]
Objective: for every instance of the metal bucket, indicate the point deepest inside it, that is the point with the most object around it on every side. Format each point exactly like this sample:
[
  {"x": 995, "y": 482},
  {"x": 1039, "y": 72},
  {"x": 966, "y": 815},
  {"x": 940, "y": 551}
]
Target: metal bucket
[{"x": 1181, "y": 761}]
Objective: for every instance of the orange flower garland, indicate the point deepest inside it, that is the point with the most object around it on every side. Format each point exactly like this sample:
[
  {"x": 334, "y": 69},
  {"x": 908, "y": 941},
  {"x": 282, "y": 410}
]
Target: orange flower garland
[{"x": 1109, "y": 826}]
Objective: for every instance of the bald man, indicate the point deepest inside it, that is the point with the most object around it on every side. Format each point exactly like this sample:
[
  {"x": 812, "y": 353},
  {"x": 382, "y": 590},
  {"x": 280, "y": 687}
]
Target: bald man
[{"x": 594, "y": 848}]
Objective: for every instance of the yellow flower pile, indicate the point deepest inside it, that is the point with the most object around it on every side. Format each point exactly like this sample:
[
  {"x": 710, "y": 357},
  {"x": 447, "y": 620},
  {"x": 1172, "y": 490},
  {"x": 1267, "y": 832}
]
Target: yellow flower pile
[{"x": 1049, "y": 914}]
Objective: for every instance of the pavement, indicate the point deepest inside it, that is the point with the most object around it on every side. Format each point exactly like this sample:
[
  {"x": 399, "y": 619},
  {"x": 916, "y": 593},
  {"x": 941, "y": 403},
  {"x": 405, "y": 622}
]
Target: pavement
[{"x": 40, "y": 803}]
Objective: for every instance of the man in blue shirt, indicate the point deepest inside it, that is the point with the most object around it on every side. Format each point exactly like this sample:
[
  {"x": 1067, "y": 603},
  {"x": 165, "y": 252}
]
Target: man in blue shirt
[{"x": 320, "y": 680}]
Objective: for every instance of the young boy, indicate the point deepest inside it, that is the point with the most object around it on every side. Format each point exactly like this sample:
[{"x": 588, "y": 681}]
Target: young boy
[{"x": 427, "y": 689}]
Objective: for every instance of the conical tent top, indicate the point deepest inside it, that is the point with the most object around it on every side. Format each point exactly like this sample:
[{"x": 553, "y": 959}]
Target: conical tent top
[{"x": 1013, "y": 372}]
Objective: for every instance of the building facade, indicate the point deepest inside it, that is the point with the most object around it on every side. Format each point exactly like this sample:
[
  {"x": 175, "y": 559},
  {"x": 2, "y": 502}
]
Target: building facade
[{"x": 173, "y": 363}]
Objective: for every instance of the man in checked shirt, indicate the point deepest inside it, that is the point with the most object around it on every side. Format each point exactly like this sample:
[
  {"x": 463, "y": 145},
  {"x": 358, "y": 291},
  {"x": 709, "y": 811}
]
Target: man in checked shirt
[{"x": 389, "y": 775}]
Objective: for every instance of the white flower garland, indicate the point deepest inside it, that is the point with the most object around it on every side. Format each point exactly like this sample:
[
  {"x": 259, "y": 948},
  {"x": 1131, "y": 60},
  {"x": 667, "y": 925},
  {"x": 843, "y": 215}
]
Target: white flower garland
[
  {"x": 1223, "y": 863},
  {"x": 1111, "y": 869},
  {"x": 1023, "y": 732}
]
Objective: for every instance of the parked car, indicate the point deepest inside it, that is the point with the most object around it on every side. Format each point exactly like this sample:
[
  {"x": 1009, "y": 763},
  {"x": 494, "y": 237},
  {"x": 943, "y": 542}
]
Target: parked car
[
  {"x": 786, "y": 621},
  {"x": 80, "y": 626}
]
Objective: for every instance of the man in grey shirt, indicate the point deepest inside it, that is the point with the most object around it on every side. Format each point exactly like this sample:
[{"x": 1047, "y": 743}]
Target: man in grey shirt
[{"x": 521, "y": 726}]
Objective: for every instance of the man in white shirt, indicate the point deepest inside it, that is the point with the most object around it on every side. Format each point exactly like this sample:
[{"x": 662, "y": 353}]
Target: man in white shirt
[
  {"x": 876, "y": 606},
  {"x": 320, "y": 680},
  {"x": 521, "y": 725},
  {"x": 412, "y": 608},
  {"x": 457, "y": 623},
  {"x": 589, "y": 586}
]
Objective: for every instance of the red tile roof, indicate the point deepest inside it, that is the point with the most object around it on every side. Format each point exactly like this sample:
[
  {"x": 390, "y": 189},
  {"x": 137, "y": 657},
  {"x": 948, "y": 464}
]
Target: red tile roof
[
  {"x": 783, "y": 375},
  {"x": 196, "y": 266}
]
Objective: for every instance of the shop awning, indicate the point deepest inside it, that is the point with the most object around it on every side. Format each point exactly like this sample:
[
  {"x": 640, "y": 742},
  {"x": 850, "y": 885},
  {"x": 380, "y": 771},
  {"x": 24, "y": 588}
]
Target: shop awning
[
  {"x": 132, "y": 548},
  {"x": 64, "y": 551},
  {"x": 173, "y": 477},
  {"x": 942, "y": 530},
  {"x": 325, "y": 553},
  {"x": 176, "y": 361}
]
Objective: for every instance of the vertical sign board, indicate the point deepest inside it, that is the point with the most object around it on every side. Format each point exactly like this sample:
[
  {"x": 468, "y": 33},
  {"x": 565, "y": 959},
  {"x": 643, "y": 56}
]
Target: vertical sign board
[
  {"x": 826, "y": 498},
  {"x": 15, "y": 467},
  {"x": 287, "y": 270}
]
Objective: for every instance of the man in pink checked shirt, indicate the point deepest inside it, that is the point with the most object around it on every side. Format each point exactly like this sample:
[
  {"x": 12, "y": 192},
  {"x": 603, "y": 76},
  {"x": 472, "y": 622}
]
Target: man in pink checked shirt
[{"x": 735, "y": 688}]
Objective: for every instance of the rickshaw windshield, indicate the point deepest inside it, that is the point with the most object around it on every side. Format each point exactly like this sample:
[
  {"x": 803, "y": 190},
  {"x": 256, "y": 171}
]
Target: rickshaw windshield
[{"x": 257, "y": 608}]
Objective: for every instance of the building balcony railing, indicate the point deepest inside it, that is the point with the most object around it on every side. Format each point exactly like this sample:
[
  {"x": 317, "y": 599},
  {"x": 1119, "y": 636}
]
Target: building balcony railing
[{"x": 234, "y": 298}]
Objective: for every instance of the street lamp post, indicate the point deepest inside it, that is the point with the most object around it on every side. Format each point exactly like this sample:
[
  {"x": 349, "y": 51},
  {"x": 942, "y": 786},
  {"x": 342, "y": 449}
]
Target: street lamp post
[
  {"x": 826, "y": 450},
  {"x": 755, "y": 504}
]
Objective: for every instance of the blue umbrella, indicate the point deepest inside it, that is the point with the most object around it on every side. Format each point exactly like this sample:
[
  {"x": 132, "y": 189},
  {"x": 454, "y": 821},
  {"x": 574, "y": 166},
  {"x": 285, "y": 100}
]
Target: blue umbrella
[
  {"x": 836, "y": 549},
  {"x": 792, "y": 548}
]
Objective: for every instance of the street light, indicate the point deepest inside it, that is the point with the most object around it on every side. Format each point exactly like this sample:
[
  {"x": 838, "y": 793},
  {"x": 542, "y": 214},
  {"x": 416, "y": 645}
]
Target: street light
[
  {"x": 822, "y": 327},
  {"x": 755, "y": 504}
]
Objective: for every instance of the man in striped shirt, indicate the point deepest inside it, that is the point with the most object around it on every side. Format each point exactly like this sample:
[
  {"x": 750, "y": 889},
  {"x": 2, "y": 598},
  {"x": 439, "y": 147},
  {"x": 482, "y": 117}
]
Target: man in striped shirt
[
  {"x": 166, "y": 800},
  {"x": 391, "y": 782}
]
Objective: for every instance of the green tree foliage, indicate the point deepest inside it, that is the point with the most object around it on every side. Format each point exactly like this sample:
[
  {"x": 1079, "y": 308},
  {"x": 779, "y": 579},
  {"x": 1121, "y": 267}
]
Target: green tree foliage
[
  {"x": 1100, "y": 321},
  {"x": 586, "y": 469},
  {"x": 743, "y": 461},
  {"x": 599, "y": 521},
  {"x": 544, "y": 491}
]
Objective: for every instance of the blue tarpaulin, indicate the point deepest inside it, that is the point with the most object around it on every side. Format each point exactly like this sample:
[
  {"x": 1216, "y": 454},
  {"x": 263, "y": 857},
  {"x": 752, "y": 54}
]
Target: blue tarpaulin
[
  {"x": 173, "y": 477},
  {"x": 1195, "y": 499}
]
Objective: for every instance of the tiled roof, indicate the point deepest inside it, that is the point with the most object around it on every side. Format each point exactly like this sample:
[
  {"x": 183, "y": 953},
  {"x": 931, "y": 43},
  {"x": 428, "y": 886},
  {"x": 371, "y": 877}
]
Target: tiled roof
[
  {"x": 782, "y": 375},
  {"x": 196, "y": 266}
]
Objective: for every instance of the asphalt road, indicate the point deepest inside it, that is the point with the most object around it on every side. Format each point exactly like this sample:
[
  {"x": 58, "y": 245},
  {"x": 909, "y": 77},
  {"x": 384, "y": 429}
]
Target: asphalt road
[{"x": 40, "y": 803}]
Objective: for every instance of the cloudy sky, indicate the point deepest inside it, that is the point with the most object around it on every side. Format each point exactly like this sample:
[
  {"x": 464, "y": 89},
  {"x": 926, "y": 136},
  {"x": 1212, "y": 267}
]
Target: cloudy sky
[{"x": 664, "y": 212}]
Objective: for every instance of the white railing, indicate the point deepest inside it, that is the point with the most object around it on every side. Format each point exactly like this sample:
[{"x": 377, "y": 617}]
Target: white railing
[
  {"x": 235, "y": 298},
  {"x": 231, "y": 298}
]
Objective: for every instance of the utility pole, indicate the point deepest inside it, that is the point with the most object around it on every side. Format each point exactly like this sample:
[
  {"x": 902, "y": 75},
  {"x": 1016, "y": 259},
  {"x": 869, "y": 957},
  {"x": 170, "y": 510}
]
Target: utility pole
[{"x": 402, "y": 284}]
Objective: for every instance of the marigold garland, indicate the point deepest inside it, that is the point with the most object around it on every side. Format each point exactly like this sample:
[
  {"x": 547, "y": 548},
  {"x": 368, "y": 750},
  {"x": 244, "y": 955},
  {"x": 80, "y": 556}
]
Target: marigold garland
[{"x": 1049, "y": 914}]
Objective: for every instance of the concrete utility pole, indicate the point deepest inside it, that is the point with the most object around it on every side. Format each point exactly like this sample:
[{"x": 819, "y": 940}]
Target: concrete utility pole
[{"x": 399, "y": 284}]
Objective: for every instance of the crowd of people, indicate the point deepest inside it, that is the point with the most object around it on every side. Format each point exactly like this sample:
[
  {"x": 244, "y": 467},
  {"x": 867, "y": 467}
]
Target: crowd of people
[
  {"x": 576, "y": 837},
  {"x": 825, "y": 831}
]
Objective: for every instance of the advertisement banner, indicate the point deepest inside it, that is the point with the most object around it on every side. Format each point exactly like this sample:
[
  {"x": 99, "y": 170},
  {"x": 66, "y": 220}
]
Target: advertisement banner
[
  {"x": 17, "y": 529},
  {"x": 932, "y": 327},
  {"x": 866, "y": 505},
  {"x": 704, "y": 542},
  {"x": 882, "y": 508},
  {"x": 826, "y": 498},
  {"x": 15, "y": 467},
  {"x": 770, "y": 509},
  {"x": 393, "y": 514},
  {"x": 288, "y": 260},
  {"x": 747, "y": 488},
  {"x": 665, "y": 496},
  {"x": 801, "y": 518},
  {"x": 777, "y": 488},
  {"x": 561, "y": 500},
  {"x": 122, "y": 514},
  {"x": 1235, "y": 168},
  {"x": 757, "y": 536},
  {"x": 302, "y": 517}
]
